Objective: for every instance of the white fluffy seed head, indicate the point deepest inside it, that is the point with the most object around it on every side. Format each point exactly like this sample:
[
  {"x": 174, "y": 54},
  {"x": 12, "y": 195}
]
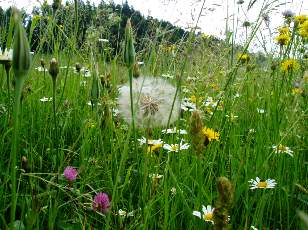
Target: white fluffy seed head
[{"x": 152, "y": 100}]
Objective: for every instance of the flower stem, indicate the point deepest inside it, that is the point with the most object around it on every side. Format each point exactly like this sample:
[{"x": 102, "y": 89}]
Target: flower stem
[
  {"x": 54, "y": 113},
  {"x": 16, "y": 116}
]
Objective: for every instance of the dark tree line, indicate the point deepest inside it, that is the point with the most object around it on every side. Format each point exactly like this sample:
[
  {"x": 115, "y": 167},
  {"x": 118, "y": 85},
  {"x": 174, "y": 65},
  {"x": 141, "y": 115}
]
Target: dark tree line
[{"x": 67, "y": 24}]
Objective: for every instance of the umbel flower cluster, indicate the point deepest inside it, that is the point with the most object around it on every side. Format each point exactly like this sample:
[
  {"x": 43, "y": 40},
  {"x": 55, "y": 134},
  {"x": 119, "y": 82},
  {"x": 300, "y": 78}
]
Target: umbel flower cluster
[{"x": 153, "y": 98}]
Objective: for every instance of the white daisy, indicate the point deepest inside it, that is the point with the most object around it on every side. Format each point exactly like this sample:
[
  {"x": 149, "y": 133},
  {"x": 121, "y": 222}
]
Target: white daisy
[
  {"x": 152, "y": 100},
  {"x": 41, "y": 69},
  {"x": 143, "y": 140},
  {"x": 6, "y": 56},
  {"x": 140, "y": 63},
  {"x": 124, "y": 214},
  {"x": 155, "y": 176},
  {"x": 45, "y": 99},
  {"x": 90, "y": 104},
  {"x": 176, "y": 147},
  {"x": 167, "y": 75},
  {"x": 282, "y": 149},
  {"x": 174, "y": 130},
  {"x": 262, "y": 184},
  {"x": 187, "y": 105},
  {"x": 103, "y": 40},
  {"x": 208, "y": 214},
  {"x": 261, "y": 111}
]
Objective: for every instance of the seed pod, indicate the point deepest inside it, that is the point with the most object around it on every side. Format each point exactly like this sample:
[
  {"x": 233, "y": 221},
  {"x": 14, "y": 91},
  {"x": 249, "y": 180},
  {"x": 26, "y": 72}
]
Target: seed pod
[
  {"x": 129, "y": 50},
  {"x": 21, "y": 51},
  {"x": 53, "y": 68}
]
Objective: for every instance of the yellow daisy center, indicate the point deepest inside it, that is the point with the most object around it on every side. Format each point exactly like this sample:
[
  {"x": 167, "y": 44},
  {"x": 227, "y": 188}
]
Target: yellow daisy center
[
  {"x": 282, "y": 148},
  {"x": 262, "y": 184},
  {"x": 174, "y": 147},
  {"x": 153, "y": 148},
  {"x": 208, "y": 216}
]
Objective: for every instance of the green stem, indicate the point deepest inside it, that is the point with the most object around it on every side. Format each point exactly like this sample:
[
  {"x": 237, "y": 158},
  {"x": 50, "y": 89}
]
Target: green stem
[
  {"x": 54, "y": 113},
  {"x": 18, "y": 89},
  {"x": 130, "y": 73},
  {"x": 7, "y": 70}
]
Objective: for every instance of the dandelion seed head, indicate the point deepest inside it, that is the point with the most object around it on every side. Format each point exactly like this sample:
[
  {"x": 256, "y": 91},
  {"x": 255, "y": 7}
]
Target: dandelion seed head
[{"x": 152, "y": 102}]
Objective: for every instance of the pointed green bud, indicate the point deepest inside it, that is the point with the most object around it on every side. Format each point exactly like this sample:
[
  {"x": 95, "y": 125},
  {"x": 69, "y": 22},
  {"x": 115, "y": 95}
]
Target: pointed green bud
[
  {"x": 54, "y": 68},
  {"x": 21, "y": 51},
  {"x": 95, "y": 90},
  {"x": 129, "y": 50}
]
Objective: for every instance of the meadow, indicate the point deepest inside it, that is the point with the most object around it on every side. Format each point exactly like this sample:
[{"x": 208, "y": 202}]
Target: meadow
[{"x": 196, "y": 134}]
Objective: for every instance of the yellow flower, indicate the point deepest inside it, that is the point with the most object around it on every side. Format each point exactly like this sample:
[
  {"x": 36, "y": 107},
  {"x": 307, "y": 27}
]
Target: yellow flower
[
  {"x": 289, "y": 65},
  {"x": 297, "y": 91},
  {"x": 303, "y": 29},
  {"x": 210, "y": 134},
  {"x": 283, "y": 39},
  {"x": 284, "y": 30},
  {"x": 243, "y": 58},
  {"x": 170, "y": 48},
  {"x": 193, "y": 99},
  {"x": 301, "y": 18}
]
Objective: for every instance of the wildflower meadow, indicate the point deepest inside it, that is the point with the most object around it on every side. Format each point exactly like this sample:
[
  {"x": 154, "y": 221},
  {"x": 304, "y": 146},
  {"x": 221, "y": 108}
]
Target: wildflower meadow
[{"x": 113, "y": 120}]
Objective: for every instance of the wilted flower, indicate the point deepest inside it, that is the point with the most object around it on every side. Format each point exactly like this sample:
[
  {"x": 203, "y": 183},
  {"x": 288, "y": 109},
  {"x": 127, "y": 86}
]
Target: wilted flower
[
  {"x": 262, "y": 184},
  {"x": 70, "y": 173},
  {"x": 155, "y": 177},
  {"x": 152, "y": 101},
  {"x": 125, "y": 214},
  {"x": 207, "y": 214},
  {"x": 101, "y": 202},
  {"x": 287, "y": 14},
  {"x": 282, "y": 149},
  {"x": 173, "y": 191}
]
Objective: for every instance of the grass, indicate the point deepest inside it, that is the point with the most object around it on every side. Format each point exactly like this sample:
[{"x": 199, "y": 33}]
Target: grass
[{"x": 101, "y": 145}]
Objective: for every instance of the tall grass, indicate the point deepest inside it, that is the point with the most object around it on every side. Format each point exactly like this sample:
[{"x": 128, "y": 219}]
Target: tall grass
[{"x": 104, "y": 149}]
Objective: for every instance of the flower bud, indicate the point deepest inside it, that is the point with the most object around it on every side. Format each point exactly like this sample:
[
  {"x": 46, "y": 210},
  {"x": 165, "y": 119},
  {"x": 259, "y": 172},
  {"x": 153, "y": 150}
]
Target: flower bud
[
  {"x": 129, "y": 50},
  {"x": 21, "y": 51},
  {"x": 54, "y": 68},
  {"x": 43, "y": 63}
]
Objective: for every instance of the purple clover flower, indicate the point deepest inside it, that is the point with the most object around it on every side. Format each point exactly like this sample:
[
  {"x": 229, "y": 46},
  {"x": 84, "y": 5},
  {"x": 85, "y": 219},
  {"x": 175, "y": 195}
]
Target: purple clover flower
[
  {"x": 70, "y": 173},
  {"x": 101, "y": 202}
]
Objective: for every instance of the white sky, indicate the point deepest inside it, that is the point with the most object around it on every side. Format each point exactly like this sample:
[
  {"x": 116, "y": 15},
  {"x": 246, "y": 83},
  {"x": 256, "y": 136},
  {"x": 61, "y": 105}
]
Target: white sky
[{"x": 184, "y": 13}]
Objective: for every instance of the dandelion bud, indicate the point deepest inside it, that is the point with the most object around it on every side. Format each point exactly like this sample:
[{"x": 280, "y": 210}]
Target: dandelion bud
[
  {"x": 196, "y": 127},
  {"x": 136, "y": 70},
  {"x": 54, "y": 68},
  {"x": 78, "y": 67},
  {"x": 95, "y": 90},
  {"x": 43, "y": 64},
  {"x": 129, "y": 50},
  {"x": 225, "y": 190},
  {"x": 24, "y": 163},
  {"x": 21, "y": 51}
]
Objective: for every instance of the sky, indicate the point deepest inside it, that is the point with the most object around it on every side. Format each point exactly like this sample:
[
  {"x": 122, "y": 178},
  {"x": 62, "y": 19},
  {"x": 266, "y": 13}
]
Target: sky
[{"x": 213, "y": 14}]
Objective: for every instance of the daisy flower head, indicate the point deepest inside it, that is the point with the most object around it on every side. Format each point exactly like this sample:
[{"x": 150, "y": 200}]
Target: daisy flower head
[
  {"x": 282, "y": 149},
  {"x": 152, "y": 101},
  {"x": 176, "y": 147},
  {"x": 188, "y": 105},
  {"x": 143, "y": 140},
  {"x": 262, "y": 184},
  {"x": 207, "y": 215},
  {"x": 174, "y": 130}
]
